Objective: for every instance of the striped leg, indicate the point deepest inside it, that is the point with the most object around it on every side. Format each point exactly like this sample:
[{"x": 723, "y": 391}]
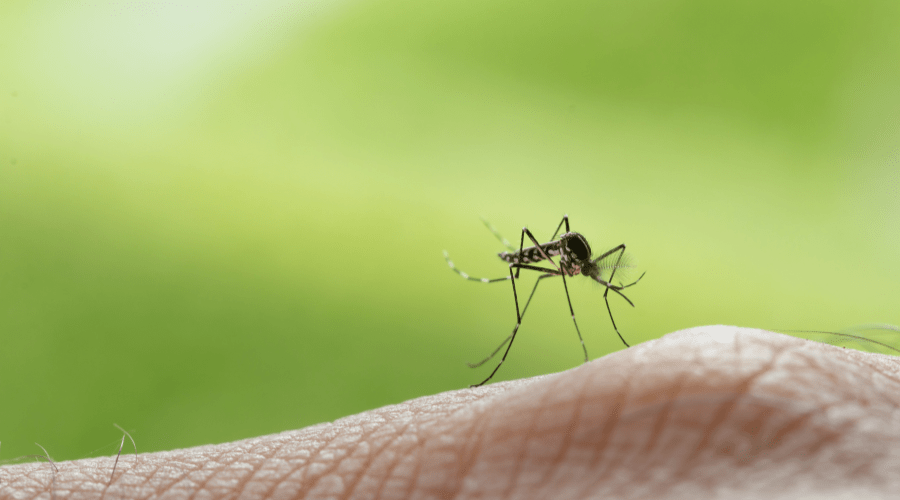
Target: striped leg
[
  {"x": 512, "y": 337},
  {"x": 493, "y": 231},
  {"x": 470, "y": 278},
  {"x": 568, "y": 299},
  {"x": 609, "y": 286},
  {"x": 524, "y": 310},
  {"x": 572, "y": 311}
]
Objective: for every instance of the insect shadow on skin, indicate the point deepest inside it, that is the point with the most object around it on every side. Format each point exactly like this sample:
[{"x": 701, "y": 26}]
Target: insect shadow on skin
[{"x": 574, "y": 254}]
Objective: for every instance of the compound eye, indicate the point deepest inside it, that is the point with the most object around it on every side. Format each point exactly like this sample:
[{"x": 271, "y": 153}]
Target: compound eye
[{"x": 579, "y": 248}]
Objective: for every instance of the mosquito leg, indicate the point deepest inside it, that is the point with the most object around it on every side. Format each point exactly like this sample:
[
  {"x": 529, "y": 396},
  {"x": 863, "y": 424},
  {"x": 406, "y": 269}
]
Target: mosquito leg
[
  {"x": 538, "y": 246},
  {"x": 466, "y": 276},
  {"x": 617, "y": 289},
  {"x": 616, "y": 266},
  {"x": 536, "y": 268},
  {"x": 572, "y": 311},
  {"x": 621, "y": 250},
  {"x": 565, "y": 220},
  {"x": 521, "y": 247},
  {"x": 606, "y": 299},
  {"x": 503, "y": 240},
  {"x": 609, "y": 252},
  {"x": 524, "y": 310},
  {"x": 635, "y": 282},
  {"x": 512, "y": 337}
]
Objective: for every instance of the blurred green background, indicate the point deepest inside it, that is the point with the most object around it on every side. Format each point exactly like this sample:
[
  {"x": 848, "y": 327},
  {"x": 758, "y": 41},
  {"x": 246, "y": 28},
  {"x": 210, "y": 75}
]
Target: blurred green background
[{"x": 220, "y": 219}]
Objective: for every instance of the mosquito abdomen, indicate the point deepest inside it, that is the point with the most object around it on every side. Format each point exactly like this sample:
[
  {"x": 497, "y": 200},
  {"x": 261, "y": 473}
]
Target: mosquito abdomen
[{"x": 530, "y": 254}]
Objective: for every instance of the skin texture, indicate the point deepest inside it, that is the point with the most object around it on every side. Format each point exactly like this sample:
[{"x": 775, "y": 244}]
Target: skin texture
[{"x": 710, "y": 412}]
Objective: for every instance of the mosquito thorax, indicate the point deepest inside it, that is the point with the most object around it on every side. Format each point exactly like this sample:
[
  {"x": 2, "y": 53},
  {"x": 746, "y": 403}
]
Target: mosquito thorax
[
  {"x": 575, "y": 254},
  {"x": 575, "y": 247}
]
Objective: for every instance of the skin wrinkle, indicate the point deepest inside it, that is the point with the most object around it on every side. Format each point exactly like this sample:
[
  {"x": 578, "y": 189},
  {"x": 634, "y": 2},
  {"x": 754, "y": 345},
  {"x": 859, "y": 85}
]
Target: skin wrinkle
[
  {"x": 319, "y": 475},
  {"x": 544, "y": 405},
  {"x": 278, "y": 452},
  {"x": 487, "y": 432},
  {"x": 725, "y": 409},
  {"x": 189, "y": 477},
  {"x": 446, "y": 457},
  {"x": 187, "y": 474},
  {"x": 256, "y": 474},
  {"x": 396, "y": 462},
  {"x": 792, "y": 433},
  {"x": 611, "y": 420},
  {"x": 476, "y": 396},
  {"x": 481, "y": 423},
  {"x": 392, "y": 464},
  {"x": 474, "y": 400},
  {"x": 477, "y": 427},
  {"x": 223, "y": 463},
  {"x": 538, "y": 406},
  {"x": 351, "y": 490},
  {"x": 607, "y": 432},
  {"x": 149, "y": 477},
  {"x": 665, "y": 406},
  {"x": 417, "y": 449},
  {"x": 571, "y": 429},
  {"x": 648, "y": 413},
  {"x": 392, "y": 467},
  {"x": 660, "y": 425},
  {"x": 216, "y": 473},
  {"x": 827, "y": 437},
  {"x": 613, "y": 464},
  {"x": 347, "y": 447}
]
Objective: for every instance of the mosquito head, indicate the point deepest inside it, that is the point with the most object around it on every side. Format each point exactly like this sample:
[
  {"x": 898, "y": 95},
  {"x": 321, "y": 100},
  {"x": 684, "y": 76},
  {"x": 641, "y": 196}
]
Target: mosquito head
[
  {"x": 576, "y": 254},
  {"x": 591, "y": 269}
]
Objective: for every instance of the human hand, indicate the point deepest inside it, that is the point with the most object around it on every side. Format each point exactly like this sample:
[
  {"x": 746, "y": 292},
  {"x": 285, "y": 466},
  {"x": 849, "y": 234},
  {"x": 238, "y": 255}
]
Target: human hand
[{"x": 709, "y": 412}]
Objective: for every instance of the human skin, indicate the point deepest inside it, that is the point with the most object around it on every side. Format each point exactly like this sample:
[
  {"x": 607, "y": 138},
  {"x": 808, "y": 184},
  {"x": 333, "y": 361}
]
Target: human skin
[{"x": 710, "y": 412}]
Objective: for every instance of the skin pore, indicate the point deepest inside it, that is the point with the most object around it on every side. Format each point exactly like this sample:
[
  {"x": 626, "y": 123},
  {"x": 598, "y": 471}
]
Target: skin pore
[{"x": 710, "y": 412}]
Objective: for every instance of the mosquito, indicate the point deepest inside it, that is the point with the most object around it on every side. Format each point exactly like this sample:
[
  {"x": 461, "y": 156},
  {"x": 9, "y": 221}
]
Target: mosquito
[{"x": 574, "y": 258}]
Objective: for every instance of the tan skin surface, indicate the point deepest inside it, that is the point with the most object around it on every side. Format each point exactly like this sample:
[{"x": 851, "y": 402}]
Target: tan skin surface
[{"x": 711, "y": 412}]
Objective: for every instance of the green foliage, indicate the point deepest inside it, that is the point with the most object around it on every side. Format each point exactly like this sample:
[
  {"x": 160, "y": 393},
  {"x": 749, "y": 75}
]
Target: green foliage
[{"x": 217, "y": 223}]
